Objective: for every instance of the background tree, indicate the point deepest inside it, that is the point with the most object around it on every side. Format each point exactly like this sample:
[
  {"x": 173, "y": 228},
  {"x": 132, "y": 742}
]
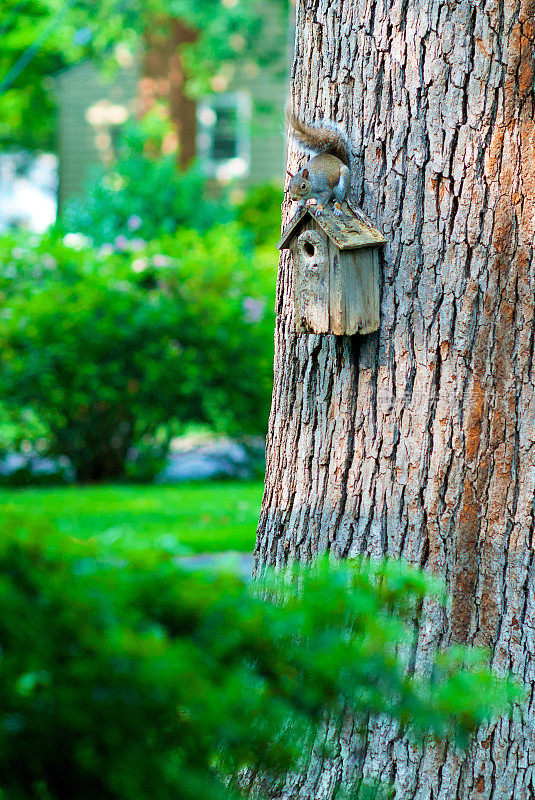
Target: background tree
[
  {"x": 417, "y": 442},
  {"x": 40, "y": 37}
]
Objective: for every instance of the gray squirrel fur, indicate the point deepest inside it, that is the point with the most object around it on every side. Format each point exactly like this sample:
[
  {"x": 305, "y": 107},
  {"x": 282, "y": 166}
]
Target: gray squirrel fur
[{"x": 328, "y": 174}]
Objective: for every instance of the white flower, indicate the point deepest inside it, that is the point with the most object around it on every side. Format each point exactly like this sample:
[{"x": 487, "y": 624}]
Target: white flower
[
  {"x": 76, "y": 241},
  {"x": 139, "y": 264}
]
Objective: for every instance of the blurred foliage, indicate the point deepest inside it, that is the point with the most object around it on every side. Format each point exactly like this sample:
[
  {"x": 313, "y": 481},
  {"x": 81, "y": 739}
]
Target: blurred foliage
[
  {"x": 50, "y": 35},
  {"x": 21, "y": 470},
  {"x": 125, "y": 677},
  {"x": 146, "y": 460},
  {"x": 233, "y": 34},
  {"x": 260, "y": 214},
  {"x": 104, "y": 346},
  {"x": 196, "y": 293},
  {"x": 20, "y": 426},
  {"x": 143, "y": 195}
]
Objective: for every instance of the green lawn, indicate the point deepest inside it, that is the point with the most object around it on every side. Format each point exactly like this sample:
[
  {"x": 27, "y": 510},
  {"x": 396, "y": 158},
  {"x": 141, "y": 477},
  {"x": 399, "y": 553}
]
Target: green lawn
[{"x": 202, "y": 517}]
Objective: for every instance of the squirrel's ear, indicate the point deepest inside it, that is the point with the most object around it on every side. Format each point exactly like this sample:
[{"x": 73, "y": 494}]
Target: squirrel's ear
[{"x": 305, "y": 174}]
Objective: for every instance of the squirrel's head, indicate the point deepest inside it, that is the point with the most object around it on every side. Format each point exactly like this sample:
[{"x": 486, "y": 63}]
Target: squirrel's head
[{"x": 300, "y": 185}]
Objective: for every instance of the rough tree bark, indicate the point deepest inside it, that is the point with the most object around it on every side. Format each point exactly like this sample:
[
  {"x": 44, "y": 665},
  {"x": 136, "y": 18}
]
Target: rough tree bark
[{"x": 419, "y": 441}]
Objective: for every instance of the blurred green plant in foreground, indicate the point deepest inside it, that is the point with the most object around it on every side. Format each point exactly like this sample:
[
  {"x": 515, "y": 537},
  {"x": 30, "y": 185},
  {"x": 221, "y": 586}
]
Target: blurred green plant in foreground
[
  {"x": 124, "y": 677},
  {"x": 106, "y": 347}
]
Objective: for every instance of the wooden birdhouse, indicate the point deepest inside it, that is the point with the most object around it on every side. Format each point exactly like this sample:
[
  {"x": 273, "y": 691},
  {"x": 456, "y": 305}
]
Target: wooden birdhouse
[{"x": 336, "y": 270}]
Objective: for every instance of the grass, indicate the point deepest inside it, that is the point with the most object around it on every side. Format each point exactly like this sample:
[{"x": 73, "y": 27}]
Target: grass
[{"x": 199, "y": 518}]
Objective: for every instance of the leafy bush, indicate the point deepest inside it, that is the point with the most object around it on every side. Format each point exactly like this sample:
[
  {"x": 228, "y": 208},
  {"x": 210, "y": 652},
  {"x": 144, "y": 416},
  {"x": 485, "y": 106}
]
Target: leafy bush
[
  {"x": 142, "y": 196},
  {"x": 106, "y": 347},
  {"x": 30, "y": 469},
  {"x": 259, "y": 214},
  {"x": 19, "y": 429},
  {"x": 124, "y": 677}
]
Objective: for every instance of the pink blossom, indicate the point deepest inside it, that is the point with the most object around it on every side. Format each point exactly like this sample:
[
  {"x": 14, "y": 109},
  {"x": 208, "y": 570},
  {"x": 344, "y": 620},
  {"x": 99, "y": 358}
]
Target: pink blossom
[
  {"x": 253, "y": 309},
  {"x": 121, "y": 243},
  {"x": 134, "y": 222},
  {"x": 160, "y": 260}
]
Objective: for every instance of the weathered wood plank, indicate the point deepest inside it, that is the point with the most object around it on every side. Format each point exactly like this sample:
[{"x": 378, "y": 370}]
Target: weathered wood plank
[
  {"x": 311, "y": 280},
  {"x": 349, "y": 229}
]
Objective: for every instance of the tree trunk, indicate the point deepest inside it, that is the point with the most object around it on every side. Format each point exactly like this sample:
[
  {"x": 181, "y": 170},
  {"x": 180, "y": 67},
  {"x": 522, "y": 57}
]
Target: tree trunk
[
  {"x": 164, "y": 77},
  {"x": 419, "y": 441}
]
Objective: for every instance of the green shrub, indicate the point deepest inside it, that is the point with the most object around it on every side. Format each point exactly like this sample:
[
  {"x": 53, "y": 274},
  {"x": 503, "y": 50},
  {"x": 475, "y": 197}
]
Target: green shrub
[
  {"x": 124, "y": 677},
  {"x": 142, "y": 196},
  {"x": 259, "y": 214},
  {"x": 19, "y": 429},
  {"x": 105, "y": 348}
]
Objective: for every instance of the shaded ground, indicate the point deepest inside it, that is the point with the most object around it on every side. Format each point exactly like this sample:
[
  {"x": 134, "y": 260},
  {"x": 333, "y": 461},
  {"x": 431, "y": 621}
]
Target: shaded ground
[{"x": 242, "y": 563}]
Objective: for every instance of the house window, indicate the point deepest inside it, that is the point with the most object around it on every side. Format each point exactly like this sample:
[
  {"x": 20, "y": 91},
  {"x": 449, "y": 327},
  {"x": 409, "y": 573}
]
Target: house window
[{"x": 224, "y": 134}]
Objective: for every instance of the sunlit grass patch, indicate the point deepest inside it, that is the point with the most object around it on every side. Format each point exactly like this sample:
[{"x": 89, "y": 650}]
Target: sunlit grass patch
[{"x": 201, "y": 517}]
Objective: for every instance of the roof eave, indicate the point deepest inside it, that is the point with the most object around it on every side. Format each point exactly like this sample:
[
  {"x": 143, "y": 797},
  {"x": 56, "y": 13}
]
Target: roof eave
[{"x": 374, "y": 236}]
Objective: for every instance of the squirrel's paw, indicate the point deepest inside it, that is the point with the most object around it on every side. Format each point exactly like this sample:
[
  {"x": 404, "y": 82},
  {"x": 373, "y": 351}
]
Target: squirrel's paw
[
  {"x": 338, "y": 208},
  {"x": 320, "y": 208}
]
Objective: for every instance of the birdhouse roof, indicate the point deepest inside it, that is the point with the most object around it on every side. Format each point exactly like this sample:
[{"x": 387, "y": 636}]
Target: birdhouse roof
[{"x": 348, "y": 230}]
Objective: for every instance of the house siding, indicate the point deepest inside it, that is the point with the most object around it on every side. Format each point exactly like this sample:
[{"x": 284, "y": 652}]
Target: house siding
[
  {"x": 79, "y": 88},
  {"x": 82, "y": 86}
]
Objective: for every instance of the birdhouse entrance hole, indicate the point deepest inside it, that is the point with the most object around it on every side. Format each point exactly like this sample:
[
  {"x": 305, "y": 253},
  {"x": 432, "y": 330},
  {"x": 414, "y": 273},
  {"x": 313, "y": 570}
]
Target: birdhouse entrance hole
[{"x": 313, "y": 253}]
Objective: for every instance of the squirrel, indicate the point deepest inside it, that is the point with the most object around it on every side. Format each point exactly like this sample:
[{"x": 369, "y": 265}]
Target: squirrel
[{"x": 328, "y": 173}]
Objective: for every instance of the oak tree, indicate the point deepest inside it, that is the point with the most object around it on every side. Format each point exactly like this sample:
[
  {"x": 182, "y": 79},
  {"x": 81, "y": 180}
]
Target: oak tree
[{"x": 417, "y": 442}]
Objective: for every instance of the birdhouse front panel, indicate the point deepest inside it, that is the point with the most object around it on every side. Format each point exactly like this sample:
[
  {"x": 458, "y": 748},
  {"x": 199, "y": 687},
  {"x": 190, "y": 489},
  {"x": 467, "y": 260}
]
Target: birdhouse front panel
[
  {"x": 354, "y": 290},
  {"x": 311, "y": 280}
]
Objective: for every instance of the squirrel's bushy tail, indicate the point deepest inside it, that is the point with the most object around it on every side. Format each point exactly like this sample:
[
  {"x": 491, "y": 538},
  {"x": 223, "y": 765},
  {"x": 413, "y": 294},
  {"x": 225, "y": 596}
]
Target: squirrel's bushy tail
[{"x": 322, "y": 137}]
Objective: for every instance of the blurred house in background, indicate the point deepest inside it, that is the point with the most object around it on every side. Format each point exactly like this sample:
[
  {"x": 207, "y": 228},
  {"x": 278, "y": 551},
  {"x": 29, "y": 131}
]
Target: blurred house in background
[
  {"x": 91, "y": 112},
  {"x": 236, "y": 132}
]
